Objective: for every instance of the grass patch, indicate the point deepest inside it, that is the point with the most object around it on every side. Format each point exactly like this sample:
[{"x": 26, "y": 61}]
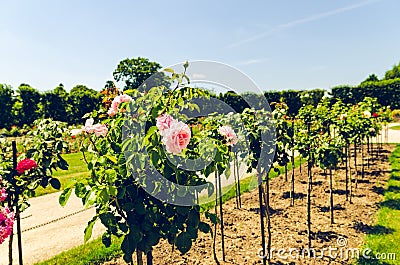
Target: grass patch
[
  {"x": 396, "y": 127},
  {"x": 384, "y": 237},
  {"x": 77, "y": 170},
  {"x": 94, "y": 252},
  {"x": 91, "y": 253}
]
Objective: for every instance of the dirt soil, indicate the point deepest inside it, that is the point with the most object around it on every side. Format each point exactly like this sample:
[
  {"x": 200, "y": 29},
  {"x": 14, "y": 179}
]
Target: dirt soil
[{"x": 288, "y": 224}]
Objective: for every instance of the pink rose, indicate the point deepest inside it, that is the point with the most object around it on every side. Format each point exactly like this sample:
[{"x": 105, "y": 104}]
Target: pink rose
[
  {"x": 164, "y": 122},
  {"x": 3, "y": 194},
  {"x": 229, "y": 134},
  {"x": 6, "y": 223},
  {"x": 176, "y": 137},
  {"x": 115, "y": 103},
  {"x": 75, "y": 132},
  {"x": 25, "y": 165},
  {"x": 100, "y": 130},
  {"x": 88, "y": 127}
]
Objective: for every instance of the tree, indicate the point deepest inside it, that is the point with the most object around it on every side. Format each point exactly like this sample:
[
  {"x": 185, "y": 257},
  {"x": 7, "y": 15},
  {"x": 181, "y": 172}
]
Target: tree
[
  {"x": 82, "y": 100},
  {"x": 55, "y": 104},
  {"x": 394, "y": 72},
  {"x": 371, "y": 78},
  {"x": 6, "y": 105},
  {"x": 135, "y": 71},
  {"x": 28, "y": 105}
]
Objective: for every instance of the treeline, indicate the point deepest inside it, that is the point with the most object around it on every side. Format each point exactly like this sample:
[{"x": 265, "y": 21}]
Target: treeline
[
  {"x": 386, "y": 91},
  {"x": 26, "y": 104}
]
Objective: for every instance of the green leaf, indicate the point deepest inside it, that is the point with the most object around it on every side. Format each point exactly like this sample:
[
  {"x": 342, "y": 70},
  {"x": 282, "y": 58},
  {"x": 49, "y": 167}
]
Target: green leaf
[
  {"x": 204, "y": 227},
  {"x": 55, "y": 183},
  {"x": 106, "y": 240},
  {"x": 89, "y": 229},
  {"x": 62, "y": 163},
  {"x": 183, "y": 242},
  {"x": 64, "y": 196},
  {"x": 80, "y": 190},
  {"x": 112, "y": 158},
  {"x": 103, "y": 196}
]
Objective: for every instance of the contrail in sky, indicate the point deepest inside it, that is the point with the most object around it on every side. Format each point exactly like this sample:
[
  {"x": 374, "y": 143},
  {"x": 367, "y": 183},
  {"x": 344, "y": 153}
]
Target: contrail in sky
[{"x": 301, "y": 21}]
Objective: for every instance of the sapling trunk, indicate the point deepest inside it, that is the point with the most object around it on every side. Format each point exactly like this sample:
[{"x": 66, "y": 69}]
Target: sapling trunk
[
  {"x": 362, "y": 159},
  {"x": 215, "y": 224},
  {"x": 355, "y": 165},
  {"x": 238, "y": 180},
  {"x": 221, "y": 216},
  {"x": 262, "y": 225},
  {"x": 139, "y": 257},
  {"x": 149, "y": 258},
  {"x": 268, "y": 215},
  {"x": 286, "y": 173},
  {"x": 309, "y": 188},
  {"x": 292, "y": 195},
  {"x": 236, "y": 184},
  {"x": 347, "y": 171},
  {"x": 331, "y": 194}
]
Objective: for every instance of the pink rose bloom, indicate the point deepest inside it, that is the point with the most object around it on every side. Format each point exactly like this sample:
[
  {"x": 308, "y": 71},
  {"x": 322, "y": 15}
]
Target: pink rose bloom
[
  {"x": 176, "y": 137},
  {"x": 229, "y": 134},
  {"x": 112, "y": 111},
  {"x": 75, "y": 132},
  {"x": 25, "y": 165},
  {"x": 88, "y": 127},
  {"x": 6, "y": 223},
  {"x": 100, "y": 130},
  {"x": 115, "y": 103},
  {"x": 164, "y": 122},
  {"x": 3, "y": 194}
]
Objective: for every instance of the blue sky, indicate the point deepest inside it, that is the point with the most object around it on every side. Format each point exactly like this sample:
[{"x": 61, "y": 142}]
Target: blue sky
[{"x": 279, "y": 44}]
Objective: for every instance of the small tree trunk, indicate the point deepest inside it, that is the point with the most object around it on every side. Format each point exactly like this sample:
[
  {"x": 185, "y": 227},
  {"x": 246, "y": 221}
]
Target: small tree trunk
[
  {"x": 149, "y": 258},
  {"x": 347, "y": 171},
  {"x": 286, "y": 171},
  {"x": 238, "y": 180},
  {"x": 221, "y": 216},
  {"x": 331, "y": 194},
  {"x": 262, "y": 226},
  {"x": 309, "y": 188},
  {"x": 292, "y": 194},
  {"x": 139, "y": 257},
  {"x": 355, "y": 165}
]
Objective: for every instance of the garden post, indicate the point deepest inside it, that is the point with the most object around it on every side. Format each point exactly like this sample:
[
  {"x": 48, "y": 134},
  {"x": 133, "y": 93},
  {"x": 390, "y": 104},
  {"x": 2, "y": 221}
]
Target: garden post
[
  {"x": 260, "y": 199},
  {"x": 17, "y": 212},
  {"x": 221, "y": 215}
]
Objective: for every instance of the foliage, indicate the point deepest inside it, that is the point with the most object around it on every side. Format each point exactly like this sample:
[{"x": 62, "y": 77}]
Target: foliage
[
  {"x": 393, "y": 73},
  {"x": 6, "y": 103},
  {"x": 135, "y": 71},
  {"x": 82, "y": 100},
  {"x": 28, "y": 105}
]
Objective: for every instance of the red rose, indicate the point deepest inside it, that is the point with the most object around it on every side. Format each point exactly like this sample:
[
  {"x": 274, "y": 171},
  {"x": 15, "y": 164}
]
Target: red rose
[
  {"x": 25, "y": 164},
  {"x": 375, "y": 115}
]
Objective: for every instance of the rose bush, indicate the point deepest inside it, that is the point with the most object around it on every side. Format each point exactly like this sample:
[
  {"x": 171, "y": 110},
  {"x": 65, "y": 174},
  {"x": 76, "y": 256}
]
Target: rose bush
[{"x": 148, "y": 136}]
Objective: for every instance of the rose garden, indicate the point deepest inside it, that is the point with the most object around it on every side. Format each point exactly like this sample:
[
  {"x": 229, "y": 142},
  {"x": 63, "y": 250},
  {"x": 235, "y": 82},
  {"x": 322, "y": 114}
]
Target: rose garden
[{"x": 178, "y": 174}]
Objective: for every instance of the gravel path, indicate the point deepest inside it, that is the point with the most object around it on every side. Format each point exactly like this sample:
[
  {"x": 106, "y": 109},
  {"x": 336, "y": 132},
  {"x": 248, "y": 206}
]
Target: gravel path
[{"x": 52, "y": 238}]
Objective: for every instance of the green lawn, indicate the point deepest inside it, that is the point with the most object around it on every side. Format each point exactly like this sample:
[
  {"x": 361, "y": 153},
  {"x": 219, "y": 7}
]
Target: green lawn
[
  {"x": 385, "y": 235},
  {"x": 77, "y": 170},
  {"x": 91, "y": 253}
]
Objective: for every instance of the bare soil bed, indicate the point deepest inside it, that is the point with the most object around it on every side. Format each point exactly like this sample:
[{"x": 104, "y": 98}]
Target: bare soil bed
[{"x": 289, "y": 230}]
